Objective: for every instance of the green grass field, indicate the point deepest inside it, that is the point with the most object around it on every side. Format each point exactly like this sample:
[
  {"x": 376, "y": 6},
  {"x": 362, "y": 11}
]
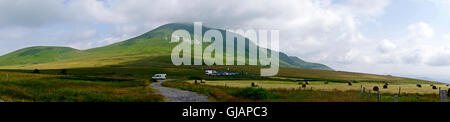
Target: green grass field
[{"x": 28, "y": 87}]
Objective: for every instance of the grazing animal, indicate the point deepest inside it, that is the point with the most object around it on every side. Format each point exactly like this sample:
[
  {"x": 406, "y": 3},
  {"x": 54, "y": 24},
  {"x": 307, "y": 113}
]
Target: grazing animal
[
  {"x": 376, "y": 88},
  {"x": 326, "y": 82},
  {"x": 434, "y": 87},
  {"x": 254, "y": 84},
  {"x": 304, "y": 85},
  {"x": 307, "y": 82},
  {"x": 418, "y": 85},
  {"x": 350, "y": 83},
  {"x": 203, "y": 81},
  {"x": 448, "y": 94},
  {"x": 385, "y": 86},
  {"x": 447, "y": 85}
]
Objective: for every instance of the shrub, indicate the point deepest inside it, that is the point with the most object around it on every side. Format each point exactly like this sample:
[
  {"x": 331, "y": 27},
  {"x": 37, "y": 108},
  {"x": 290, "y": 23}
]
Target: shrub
[
  {"x": 195, "y": 78},
  {"x": 252, "y": 93},
  {"x": 36, "y": 71},
  {"x": 153, "y": 80},
  {"x": 63, "y": 72}
]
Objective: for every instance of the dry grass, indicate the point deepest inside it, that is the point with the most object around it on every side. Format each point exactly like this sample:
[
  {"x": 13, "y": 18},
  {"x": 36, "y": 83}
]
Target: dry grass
[
  {"x": 27, "y": 87},
  {"x": 332, "y": 86}
]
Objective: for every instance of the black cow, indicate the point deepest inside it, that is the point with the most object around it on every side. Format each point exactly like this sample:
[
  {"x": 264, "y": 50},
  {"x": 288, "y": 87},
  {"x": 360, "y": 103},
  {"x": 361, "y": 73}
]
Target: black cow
[
  {"x": 304, "y": 85},
  {"x": 254, "y": 84},
  {"x": 376, "y": 88},
  {"x": 418, "y": 85}
]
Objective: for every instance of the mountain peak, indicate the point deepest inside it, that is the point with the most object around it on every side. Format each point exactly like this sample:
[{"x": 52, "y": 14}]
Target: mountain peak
[{"x": 154, "y": 42}]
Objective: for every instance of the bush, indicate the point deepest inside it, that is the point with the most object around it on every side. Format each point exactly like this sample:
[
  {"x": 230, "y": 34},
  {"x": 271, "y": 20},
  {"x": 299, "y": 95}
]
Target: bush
[
  {"x": 253, "y": 93},
  {"x": 153, "y": 80},
  {"x": 195, "y": 78},
  {"x": 63, "y": 72},
  {"x": 36, "y": 71}
]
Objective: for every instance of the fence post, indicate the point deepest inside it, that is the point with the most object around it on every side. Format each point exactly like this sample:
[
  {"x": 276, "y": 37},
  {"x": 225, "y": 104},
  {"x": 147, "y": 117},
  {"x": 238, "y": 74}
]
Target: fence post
[
  {"x": 439, "y": 91},
  {"x": 361, "y": 91},
  {"x": 399, "y": 90},
  {"x": 370, "y": 92},
  {"x": 379, "y": 96},
  {"x": 7, "y": 77},
  {"x": 396, "y": 98},
  {"x": 364, "y": 91},
  {"x": 443, "y": 94}
]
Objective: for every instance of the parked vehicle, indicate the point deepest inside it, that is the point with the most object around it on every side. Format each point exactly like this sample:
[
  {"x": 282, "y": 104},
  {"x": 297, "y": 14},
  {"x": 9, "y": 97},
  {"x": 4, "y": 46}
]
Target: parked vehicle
[{"x": 160, "y": 77}]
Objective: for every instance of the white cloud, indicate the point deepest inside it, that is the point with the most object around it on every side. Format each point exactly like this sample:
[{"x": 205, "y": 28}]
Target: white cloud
[
  {"x": 372, "y": 7},
  {"x": 421, "y": 30},
  {"x": 386, "y": 46}
]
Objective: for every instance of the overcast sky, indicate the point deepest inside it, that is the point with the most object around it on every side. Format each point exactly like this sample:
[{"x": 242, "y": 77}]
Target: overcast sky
[{"x": 397, "y": 37}]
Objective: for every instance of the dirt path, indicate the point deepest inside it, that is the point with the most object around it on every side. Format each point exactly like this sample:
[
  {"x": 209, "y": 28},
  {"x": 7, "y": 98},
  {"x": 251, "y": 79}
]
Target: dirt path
[{"x": 176, "y": 95}]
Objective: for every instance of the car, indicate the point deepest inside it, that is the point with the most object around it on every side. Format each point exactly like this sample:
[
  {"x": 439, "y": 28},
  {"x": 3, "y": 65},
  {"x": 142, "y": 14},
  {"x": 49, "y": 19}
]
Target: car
[{"x": 160, "y": 77}]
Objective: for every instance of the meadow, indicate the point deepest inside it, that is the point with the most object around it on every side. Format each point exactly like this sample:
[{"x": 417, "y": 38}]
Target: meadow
[
  {"x": 37, "y": 87},
  {"x": 393, "y": 88},
  {"x": 221, "y": 93}
]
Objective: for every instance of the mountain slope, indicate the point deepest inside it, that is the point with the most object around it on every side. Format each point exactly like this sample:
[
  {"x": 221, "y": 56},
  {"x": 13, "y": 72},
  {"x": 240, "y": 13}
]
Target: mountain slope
[
  {"x": 144, "y": 47},
  {"x": 299, "y": 63},
  {"x": 37, "y": 55}
]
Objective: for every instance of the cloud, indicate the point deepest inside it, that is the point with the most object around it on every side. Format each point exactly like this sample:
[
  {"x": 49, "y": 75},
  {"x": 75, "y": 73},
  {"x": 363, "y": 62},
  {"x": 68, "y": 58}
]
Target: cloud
[
  {"x": 373, "y": 7},
  {"x": 421, "y": 30},
  {"x": 30, "y": 13},
  {"x": 386, "y": 46}
]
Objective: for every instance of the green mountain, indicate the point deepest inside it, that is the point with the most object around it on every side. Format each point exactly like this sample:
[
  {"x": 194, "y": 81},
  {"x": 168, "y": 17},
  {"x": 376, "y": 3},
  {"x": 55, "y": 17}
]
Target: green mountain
[
  {"x": 147, "y": 49},
  {"x": 37, "y": 55}
]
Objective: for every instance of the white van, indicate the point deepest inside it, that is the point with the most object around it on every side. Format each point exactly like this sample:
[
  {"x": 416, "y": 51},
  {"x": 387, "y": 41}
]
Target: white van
[{"x": 160, "y": 77}]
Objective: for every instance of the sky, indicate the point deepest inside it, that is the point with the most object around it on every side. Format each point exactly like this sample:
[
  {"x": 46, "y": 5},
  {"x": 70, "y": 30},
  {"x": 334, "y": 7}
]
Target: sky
[{"x": 391, "y": 37}]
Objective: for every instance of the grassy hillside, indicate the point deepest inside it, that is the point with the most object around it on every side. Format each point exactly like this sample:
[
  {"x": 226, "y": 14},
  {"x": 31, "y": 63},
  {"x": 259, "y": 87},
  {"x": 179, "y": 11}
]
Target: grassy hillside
[{"x": 37, "y": 55}]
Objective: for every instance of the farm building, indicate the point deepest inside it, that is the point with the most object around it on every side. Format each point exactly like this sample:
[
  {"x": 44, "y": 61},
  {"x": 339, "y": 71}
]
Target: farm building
[
  {"x": 220, "y": 73},
  {"x": 210, "y": 72}
]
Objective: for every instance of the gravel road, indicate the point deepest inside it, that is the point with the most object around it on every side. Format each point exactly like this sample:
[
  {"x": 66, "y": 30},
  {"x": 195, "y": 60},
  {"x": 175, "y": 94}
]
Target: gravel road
[{"x": 176, "y": 95}]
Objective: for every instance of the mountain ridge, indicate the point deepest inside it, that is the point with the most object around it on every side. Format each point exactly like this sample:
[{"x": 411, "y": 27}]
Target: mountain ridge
[{"x": 154, "y": 41}]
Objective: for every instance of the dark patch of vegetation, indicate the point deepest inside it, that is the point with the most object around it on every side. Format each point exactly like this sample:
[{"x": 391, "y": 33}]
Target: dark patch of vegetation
[
  {"x": 36, "y": 71},
  {"x": 92, "y": 78},
  {"x": 253, "y": 93},
  {"x": 63, "y": 72},
  {"x": 195, "y": 78}
]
